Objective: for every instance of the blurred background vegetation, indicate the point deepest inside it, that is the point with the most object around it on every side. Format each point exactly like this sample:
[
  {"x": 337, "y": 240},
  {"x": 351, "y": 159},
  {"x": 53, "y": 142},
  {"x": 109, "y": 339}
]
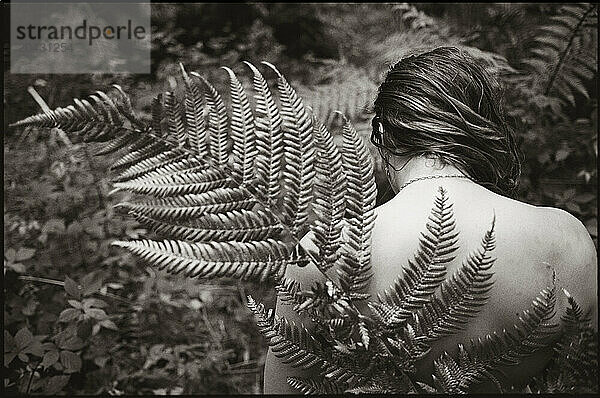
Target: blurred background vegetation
[{"x": 82, "y": 317}]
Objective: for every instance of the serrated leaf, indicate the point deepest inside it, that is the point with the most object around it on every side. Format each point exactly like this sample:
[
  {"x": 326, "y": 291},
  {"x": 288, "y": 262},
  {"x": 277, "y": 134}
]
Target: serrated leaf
[
  {"x": 71, "y": 361},
  {"x": 72, "y": 288},
  {"x": 107, "y": 323},
  {"x": 8, "y": 357},
  {"x": 68, "y": 315},
  {"x": 96, "y": 313},
  {"x": 91, "y": 284},
  {"x": 74, "y": 303},
  {"x": 23, "y": 338},
  {"x": 50, "y": 358}
]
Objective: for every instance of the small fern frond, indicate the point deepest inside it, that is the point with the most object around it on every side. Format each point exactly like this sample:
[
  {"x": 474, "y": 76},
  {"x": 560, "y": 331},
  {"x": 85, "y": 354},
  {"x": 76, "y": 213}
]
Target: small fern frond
[
  {"x": 508, "y": 348},
  {"x": 194, "y": 115},
  {"x": 293, "y": 344},
  {"x": 175, "y": 120},
  {"x": 242, "y": 131},
  {"x": 219, "y": 200},
  {"x": 296, "y": 346},
  {"x": 564, "y": 52},
  {"x": 572, "y": 24},
  {"x": 299, "y": 156},
  {"x": 238, "y": 225},
  {"x": 214, "y": 259},
  {"x": 463, "y": 294},
  {"x": 311, "y": 387},
  {"x": 329, "y": 204},
  {"x": 177, "y": 184},
  {"x": 268, "y": 138},
  {"x": 448, "y": 375},
  {"x": 574, "y": 366},
  {"x": 217, "y": 123},
  {"x": 427, "y": 270},
  {"x": 288, "y": 290},
  {"x": 573, "y": 319},
  {"x": 355, "y": 270}
]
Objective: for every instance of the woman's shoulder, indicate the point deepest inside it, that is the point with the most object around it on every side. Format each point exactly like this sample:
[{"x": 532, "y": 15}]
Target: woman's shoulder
[
  {"x": 576, "y": 257},
  {"x": 532, "y": 242}
]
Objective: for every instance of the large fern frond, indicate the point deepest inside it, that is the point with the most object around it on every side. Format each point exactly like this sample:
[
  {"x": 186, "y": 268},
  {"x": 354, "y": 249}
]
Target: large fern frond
[{"x": 185, "y": 177}]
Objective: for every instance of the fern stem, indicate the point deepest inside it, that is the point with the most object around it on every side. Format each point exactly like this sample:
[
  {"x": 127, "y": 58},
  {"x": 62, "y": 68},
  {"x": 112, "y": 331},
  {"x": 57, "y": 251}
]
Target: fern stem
[
  {"x": 31, "y": 377},
  {"x": 563, "y": 56},
  {"x": 62, "y": 284}
]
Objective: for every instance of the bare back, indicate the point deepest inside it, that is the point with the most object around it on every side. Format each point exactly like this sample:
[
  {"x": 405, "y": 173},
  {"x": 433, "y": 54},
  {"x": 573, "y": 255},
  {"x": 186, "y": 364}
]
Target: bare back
[{"x": 532, "y": 243}]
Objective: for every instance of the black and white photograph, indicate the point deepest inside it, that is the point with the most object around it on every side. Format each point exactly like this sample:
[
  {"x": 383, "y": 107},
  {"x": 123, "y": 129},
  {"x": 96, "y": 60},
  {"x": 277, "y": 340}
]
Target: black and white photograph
[{"x": 267, "y": 198}]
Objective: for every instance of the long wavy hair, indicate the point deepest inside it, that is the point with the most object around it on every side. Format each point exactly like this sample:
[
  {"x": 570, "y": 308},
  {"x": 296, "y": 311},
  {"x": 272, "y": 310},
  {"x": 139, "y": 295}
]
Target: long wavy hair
[{"x": 444, "y": 103}]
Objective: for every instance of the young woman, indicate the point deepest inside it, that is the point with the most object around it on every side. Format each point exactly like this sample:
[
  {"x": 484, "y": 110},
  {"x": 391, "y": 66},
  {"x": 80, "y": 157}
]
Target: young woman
[{"x": 439, "y": 122}]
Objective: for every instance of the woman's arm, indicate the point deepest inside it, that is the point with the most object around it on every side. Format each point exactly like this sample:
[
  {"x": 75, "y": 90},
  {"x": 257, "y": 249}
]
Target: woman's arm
[{"x": 276, "y": 373}]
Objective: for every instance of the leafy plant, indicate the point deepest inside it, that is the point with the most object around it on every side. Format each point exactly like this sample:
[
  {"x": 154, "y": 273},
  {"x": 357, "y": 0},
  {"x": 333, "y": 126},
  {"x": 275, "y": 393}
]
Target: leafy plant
[
  {"x": 48, "y": 363},
  {"x": 564, "y": 57},
  {"x": 231, "y": 202}
]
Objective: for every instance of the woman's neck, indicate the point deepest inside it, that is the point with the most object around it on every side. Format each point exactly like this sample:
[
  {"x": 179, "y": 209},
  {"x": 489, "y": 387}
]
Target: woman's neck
[{"x": 418, "y": 167}]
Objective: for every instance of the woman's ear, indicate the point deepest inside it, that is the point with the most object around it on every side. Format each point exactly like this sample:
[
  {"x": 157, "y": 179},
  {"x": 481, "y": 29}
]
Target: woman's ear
[{"x": 433, "y": 160}]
